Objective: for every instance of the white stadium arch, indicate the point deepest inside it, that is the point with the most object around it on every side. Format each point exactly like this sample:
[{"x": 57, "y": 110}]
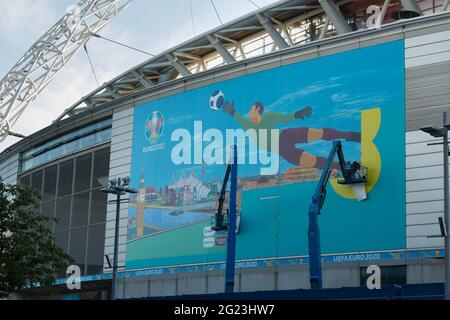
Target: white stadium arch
[{"x": 34, "y": 71}]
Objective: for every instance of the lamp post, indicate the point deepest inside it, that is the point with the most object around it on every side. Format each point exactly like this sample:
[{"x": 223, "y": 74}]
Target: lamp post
[
  {"x": 118, "y": 187},
  {"x": 443, "y": 133}
]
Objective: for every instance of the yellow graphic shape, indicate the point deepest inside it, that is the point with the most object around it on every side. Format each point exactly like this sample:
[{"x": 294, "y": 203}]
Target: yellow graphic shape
[{"x": 370, "y": 156}]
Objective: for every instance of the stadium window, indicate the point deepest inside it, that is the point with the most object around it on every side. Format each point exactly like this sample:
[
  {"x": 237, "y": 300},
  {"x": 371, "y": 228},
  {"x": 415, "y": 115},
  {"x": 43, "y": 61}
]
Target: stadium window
[
  {"x": 69, "y": 148},
  {"x": 71, "y": 195},
  {"x": 95, "y": 251},
  {"x": 36, "y": 182},
  {"x": 80, "y": 211},
  {"x": 83, "y": 173},
  {"x": 65, "y": 178},
  {"x": 87, "y": 141},
  {"x": 25, "y": 181},
  {"x": 99, "y": 203},
  {"x": 48, "y": 210},
  {"x": 62, "y": 240},
  {"x": 70, "y": 143},
  {"x": 101, "y": 168},
  {"x": 63, "y": 207},
  {"x": 77, "y": 247},
  {"x": 50, "y": 175},
  {"x": 390, "y": 275}
]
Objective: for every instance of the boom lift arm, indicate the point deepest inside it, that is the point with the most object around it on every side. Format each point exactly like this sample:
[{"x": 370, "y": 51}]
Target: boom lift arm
[
  {"x": 352, "y": 174},
  {"x": 221, "y": 225}
]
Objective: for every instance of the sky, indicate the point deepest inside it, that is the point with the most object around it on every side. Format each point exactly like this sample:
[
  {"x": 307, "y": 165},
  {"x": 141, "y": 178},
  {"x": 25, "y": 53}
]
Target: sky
[{"x": 150, "y": 25}]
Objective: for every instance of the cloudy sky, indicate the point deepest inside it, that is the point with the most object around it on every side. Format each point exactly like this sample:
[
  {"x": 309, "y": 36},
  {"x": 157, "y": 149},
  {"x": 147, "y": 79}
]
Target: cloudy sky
[{"x": 150, "y": 25}]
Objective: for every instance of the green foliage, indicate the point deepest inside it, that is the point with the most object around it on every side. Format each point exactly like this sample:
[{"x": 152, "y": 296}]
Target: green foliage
[{"x": 28, "y": 255}]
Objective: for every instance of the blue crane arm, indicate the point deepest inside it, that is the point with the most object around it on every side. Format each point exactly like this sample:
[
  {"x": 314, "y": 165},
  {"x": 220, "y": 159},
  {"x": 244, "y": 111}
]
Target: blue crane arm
[
  {"x": 348, "y": 172},
  {"x": 321, "y": 190},
  {"x": 230, "y": 226},
  {"x": 219, "y": 217}
]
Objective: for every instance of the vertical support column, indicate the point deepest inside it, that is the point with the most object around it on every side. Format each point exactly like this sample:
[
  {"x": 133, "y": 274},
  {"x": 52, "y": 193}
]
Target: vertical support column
[
  {"x": 116, "y": 250},
  {"x": 383, "y": 12},
  {"x": 226, "y": 55},
  {"x": 324, "y": 31},
  {"x": 335, "y": 15},
  {"x": 274, "y": 34},
  {"x": 446, "y": 209},
  {"x": 231, "y": 242}
]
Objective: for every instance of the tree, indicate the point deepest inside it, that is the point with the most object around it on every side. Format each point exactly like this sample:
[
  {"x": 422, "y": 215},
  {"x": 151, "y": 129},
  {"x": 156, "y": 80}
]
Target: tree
[{"x": 28, "y": 255}]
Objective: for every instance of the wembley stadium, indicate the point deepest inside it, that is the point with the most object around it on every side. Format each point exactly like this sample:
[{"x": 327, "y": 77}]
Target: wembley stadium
[{"x": 374, "y": 75}]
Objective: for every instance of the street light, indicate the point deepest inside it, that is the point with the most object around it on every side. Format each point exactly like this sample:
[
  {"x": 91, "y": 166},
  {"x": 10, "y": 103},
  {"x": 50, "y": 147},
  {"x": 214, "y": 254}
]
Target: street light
[
  {"x": 443, "y": 133},
  {"x": 118, "y": 187}
]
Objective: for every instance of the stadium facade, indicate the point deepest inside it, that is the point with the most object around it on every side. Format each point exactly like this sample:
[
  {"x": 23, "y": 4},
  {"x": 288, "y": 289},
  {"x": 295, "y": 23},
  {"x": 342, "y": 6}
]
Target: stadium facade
[{"x": 381, "y": 83}]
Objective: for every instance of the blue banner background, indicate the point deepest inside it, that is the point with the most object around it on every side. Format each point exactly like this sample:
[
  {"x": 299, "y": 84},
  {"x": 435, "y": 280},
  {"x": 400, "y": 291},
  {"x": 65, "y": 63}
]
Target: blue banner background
[{"x": 338, "y": 87}]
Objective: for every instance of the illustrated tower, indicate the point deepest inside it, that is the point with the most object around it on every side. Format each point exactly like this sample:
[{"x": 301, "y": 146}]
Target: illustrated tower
[{"x": 140, "y": 207}]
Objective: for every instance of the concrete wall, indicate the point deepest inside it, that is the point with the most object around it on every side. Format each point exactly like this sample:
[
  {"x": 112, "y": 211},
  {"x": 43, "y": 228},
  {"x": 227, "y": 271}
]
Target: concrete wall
[
  {"x": 281, "y": 278},
  {"x": 246, "y": 281}
]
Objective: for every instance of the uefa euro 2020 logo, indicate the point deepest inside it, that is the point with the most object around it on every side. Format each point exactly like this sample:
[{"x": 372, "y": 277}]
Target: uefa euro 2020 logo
[{"x": 154, "y": 127}]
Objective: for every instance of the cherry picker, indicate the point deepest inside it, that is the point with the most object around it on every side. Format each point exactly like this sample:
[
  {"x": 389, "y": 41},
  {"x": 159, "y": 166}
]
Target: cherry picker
[{"x": 352, "y": 173}]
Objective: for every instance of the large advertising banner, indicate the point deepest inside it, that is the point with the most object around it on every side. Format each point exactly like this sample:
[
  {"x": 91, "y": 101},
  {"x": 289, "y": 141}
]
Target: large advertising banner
[{"x": 284, "y": 122}]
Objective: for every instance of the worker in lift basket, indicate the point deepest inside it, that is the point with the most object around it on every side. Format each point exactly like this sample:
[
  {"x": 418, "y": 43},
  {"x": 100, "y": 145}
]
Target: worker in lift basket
[{"x": 290, "y": 137}]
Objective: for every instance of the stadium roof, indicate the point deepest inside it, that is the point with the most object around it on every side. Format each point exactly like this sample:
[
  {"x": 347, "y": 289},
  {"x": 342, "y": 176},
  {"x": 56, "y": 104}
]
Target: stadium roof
[
  {"x": 282, "y": 25},
  {"x": 286, "y": 26}
]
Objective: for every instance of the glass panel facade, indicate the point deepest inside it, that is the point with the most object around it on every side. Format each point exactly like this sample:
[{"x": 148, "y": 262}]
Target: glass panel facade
[
  {"x": 80, "y": 211},
  {"x": 101, "y": 172},
  {"x": 70, "y": 143},
  {"x": 96, "y": 236},
  {"x": 25, "y": 181},
  {"x": 48, "y": 210},
  {"x": 99, "y": 202},
  {"x": 77, "y": 247},
  {"x": 62, "y": 240},
  {"x": 36, "y": 182},
  {"x": 50, "y": 175},
  {"x": 83, "y": 173},
  {"x": 63, "y": 208},
  {"x": 65, "y": 178},
  {"x": 71, "y": 193}
]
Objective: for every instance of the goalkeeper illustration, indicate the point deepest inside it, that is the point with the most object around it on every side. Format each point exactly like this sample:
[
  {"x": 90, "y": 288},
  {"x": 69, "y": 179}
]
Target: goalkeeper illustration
[{"x": 290, "y": 137}]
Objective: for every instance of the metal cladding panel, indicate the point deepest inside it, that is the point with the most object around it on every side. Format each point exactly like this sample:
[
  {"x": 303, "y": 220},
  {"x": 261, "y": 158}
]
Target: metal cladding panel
[
  {"x": 424, "y": 191},
  {"x": 427, "y": 57},
  {"x": 119, "y": 167},
  {"x": 9, "y": 170},
  {"x": 427, "y": 94}
]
